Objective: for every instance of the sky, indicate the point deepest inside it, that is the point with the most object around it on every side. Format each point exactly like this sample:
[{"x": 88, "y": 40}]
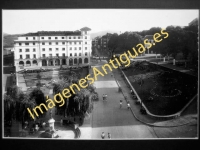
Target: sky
[{"x": 119, "y": 20}]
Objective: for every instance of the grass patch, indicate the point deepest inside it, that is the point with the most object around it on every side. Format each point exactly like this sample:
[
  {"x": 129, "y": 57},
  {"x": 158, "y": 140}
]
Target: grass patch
[{"x": 165, "y": 87}]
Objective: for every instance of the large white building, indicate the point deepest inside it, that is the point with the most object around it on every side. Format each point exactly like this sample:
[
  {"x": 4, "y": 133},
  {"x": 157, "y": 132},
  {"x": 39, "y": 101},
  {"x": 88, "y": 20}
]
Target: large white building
[{"x": 53, "y": 48}]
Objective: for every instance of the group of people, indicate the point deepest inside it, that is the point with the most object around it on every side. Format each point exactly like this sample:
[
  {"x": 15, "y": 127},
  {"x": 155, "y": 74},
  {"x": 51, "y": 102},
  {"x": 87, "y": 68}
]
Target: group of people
[
  {"x": 103, "y": 135},
  {"x": 120, "y": 104}
]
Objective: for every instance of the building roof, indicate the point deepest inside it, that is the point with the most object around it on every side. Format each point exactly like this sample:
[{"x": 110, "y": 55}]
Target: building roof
[{"x": 53, "y": 33}]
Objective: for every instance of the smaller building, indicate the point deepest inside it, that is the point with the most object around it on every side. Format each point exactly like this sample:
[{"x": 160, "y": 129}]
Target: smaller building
[
  {"x": 7, "y": 50},
  {"x": 150, "y": 40}
]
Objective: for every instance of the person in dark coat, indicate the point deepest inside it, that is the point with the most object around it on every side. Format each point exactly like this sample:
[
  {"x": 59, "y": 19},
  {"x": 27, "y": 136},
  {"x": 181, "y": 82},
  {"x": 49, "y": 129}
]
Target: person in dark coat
[{"x": 102, "y": 135}]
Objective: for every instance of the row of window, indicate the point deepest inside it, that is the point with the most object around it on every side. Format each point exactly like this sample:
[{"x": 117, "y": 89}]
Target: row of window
[
  {"x": 74, "y": 37},
  {"x": 50, "y": 55},
  {"x": 27, "y": 56},
  {"x": 50, "y": 49},
  {"x": 56, "y": 43}
]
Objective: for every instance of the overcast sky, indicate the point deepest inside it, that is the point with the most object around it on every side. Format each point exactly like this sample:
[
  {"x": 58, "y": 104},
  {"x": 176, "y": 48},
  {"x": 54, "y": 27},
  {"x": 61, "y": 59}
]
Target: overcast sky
[{"x": 25, "y": 21}]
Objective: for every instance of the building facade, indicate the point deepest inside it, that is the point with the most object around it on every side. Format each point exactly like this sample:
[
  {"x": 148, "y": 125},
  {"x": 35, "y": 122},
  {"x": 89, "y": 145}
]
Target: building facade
[
  {"x": 150, "y": 40},
  {"x": 53, "y": 48},
  {"x": 104, "y": 42}
]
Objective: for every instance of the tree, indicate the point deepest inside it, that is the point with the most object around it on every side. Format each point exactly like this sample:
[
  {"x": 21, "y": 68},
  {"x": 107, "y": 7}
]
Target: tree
[
  {"x": 38, "y": 97},
  {"x": 113, "y": 43},
  {"x": 77, "y": 104},
  {"x": 15, "y": 105}
]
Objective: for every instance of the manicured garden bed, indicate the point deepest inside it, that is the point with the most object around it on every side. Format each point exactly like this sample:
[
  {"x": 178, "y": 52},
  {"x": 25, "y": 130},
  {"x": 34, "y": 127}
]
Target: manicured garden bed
[
  {"x": 32, "y": 79},
  {"x": 171, "y": 90}
]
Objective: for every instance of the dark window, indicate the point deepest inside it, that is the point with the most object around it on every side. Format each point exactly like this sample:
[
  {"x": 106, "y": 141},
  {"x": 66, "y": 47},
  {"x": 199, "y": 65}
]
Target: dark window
[
  {"x": 57, "y": 49},
  {"x": 26, "y": 38},
  {"x": 49, "y": 43},
  {"x": 34, "y": 38},
  {"x": 85, "y": 42},
  {"x": 85, "y": 32},
  {"x": 85, "y": 48},
  {"x": 49, "y": 37},
  {"x": 70, "y": 54},
  {"x": 20, "y": 43},
  {"x": 85, "y": 37},
  {"x": 79, "y": 48},
  {"x": 56, "y": 37},
  {"x": 27, "y": 50},
  {"x": 70, "y": 48},
  {"x": 75, "y": 54},
  {"x": 42, "y": 37},
  {"x": 74, "y": 42},
  {"x": 70, "y": 37},
  {"x": 43, "y": 43},
  {"x": 26, "y": 43},
  {"x": 43, "y": 55},
  {"x": 70, "y": 42},
  {"x": 34, "y": 50},
  {"x": 20, "y": 50},
  {"x": 20, "y": 56},
  {"x": 56, "y": 43},
  {"x": 79, "y": 42},
  {"x": 74, "y": 48},
  {"x": 33, "y": 43},
  {"x": 79, "y": 54},
  {"x": 85, "y": 53},
  {"x": 50, "y": 49},
  {"x": 50, "y": 55},
  {"x": 79, "y": 37},
  {"x": 57, "y": 55},
  {"x": 34, "y": 55},
  {"x": 63, "y": 43},
  {"x": 63, "y": 49},
  {"x": 74, "y": 37},
  {"x": 63, "y": 54},
  {"x": 43, "y": 49},
  {"x": 27, "y": 56},
  {"x": 62, "y": 37}
]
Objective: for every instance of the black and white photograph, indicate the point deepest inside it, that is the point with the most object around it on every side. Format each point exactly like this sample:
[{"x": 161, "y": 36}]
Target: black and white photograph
[{"x": 100, "y": 74}]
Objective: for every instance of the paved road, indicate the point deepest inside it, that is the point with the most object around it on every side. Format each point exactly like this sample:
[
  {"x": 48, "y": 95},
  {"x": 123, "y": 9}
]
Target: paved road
[{"x": 108, "y": 117}]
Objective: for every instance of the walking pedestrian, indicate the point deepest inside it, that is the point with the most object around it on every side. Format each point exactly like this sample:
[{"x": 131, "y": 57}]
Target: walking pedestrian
[
  {"x": 106, "y": 97},
  {"x": 131, "y": 91},
  {"x": 102, "y": 135},
  {"x": 109, "y": 135},
  {"x": 61, "y": 121},
  {"x": 128, "y": 105},
  {"x": 103, "y": 96},
  {"x": 120, "y": 103}
]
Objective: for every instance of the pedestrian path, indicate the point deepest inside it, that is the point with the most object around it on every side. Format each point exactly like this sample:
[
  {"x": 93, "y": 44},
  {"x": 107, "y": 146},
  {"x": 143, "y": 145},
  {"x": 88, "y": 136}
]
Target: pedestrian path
[
  {"x": 21, "y": 82},
  {"x": 108, "y": 117}
]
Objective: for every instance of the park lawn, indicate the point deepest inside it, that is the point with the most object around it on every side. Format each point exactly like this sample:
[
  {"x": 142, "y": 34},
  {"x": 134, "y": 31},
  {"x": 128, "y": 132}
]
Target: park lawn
[
  {"x": 46, "y": 77},
  {"x": 161, "y": 105}
]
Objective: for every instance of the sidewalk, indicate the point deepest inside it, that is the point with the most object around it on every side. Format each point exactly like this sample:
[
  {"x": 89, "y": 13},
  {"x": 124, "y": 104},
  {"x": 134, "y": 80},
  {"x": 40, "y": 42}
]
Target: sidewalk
[
  {"x": 21, "y": 82},
  {"x": 126, "y": 91}
]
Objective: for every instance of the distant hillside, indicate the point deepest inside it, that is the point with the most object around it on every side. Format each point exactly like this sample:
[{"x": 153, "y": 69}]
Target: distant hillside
[
  {"x": 101, "y": 33},
  {"x": 8, "y": 39}
]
